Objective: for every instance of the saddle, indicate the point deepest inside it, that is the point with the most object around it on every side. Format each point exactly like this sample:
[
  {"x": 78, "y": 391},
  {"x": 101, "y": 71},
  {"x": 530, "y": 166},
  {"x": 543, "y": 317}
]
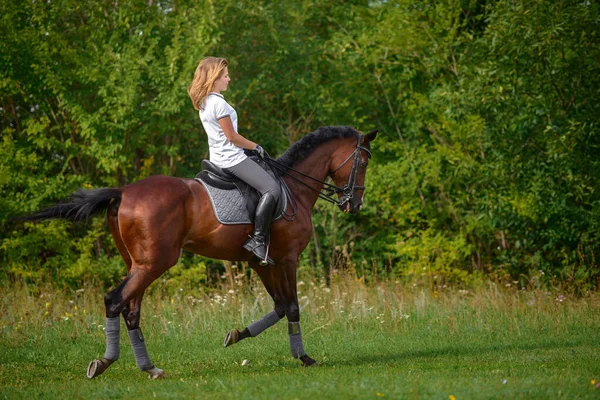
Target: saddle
[{"x": 233, "y": 200}]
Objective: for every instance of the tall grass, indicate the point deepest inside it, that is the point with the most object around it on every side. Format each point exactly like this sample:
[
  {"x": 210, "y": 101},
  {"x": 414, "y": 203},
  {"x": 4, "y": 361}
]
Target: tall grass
[
  {"x": 347, "y": 300},
  {"x": 367, "y": 337}
]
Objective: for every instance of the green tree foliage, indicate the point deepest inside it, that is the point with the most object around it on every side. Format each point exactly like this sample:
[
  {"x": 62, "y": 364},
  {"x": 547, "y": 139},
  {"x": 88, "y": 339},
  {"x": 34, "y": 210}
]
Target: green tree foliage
[
  {"x": 487, "y": 160},
  {"x": 92, "y": 96}
]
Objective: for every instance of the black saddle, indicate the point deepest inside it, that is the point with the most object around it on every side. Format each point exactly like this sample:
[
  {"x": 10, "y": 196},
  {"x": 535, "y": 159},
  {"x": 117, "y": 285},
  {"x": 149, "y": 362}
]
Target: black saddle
[{"x": 228, "y": 194}]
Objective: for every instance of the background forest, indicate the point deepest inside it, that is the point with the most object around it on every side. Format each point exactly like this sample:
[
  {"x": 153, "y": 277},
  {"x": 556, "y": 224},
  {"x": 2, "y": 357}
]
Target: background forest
[{"x": 487, "y": 163}]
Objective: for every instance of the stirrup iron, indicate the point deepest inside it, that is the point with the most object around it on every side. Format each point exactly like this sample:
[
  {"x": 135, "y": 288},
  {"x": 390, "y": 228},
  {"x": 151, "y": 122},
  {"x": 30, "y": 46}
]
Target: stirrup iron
[{"x": 265, "y": 262}]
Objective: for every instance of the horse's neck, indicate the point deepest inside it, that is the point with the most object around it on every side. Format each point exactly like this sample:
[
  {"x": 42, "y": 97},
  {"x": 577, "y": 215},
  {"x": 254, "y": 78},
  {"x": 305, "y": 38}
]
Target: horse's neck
[{"x": 315, "y": 165}]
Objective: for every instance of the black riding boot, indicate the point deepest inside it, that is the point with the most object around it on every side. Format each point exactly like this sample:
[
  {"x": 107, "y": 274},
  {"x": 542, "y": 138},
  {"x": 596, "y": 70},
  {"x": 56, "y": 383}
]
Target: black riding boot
[{"x": 262, "y": 222}]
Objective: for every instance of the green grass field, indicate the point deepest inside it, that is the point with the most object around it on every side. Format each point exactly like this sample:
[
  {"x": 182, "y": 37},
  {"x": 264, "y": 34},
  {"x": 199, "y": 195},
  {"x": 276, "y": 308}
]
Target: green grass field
[{"x": 381, "y": 341}]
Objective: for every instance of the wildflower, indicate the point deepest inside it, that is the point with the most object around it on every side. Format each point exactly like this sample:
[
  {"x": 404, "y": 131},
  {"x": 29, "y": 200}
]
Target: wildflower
[
  {"x": 593, "y": 382},
  {"x": 47, "y": 305},
  {"x": 451, "y": 397},
  {"x": 380, "y": 394}
]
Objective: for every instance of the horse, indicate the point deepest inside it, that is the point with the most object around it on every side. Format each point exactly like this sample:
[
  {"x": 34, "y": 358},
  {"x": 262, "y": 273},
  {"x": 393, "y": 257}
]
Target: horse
[{"x": 153, "y": 220}]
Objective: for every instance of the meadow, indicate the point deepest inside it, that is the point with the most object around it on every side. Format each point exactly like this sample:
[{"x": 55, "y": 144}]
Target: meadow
[{"x": 381, "y": 340}]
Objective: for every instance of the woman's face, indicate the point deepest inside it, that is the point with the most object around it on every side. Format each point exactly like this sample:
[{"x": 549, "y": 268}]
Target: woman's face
[{"x": 221, "y": 83}]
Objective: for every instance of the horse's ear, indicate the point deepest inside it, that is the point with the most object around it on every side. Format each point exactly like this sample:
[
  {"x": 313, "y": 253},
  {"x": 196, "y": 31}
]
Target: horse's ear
[{"x": 369, "y": 137}]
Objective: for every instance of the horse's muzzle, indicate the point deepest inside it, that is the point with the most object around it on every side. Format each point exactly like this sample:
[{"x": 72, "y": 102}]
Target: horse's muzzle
[{"x": 349, "y": 208}]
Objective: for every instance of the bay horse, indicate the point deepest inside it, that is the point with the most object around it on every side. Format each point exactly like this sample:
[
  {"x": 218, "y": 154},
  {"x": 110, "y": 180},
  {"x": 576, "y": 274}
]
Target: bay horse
[{"x": 153, "y": 219}]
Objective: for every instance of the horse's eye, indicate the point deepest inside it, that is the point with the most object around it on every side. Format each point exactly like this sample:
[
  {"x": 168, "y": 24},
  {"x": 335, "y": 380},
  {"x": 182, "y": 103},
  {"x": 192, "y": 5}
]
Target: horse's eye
[{"x": 364, "y": 164}]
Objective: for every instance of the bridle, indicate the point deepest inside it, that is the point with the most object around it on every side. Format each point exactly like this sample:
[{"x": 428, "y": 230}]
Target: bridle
[
  {"x": 328, "y": 190},
  {"x": 349, "y": 188}
]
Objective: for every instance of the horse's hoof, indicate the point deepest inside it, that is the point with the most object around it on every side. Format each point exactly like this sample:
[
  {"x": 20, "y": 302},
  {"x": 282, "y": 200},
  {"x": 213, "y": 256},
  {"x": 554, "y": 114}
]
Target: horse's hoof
[
  {"x": 307, "y": 361},
  {"x": 97, "y": 367},
  {"x": 231, "y": 337},
  {"x": 155, "y": 373}
]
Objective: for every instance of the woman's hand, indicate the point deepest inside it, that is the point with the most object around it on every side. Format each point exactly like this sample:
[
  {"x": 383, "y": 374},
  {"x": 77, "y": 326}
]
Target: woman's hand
[{"x": 259, "y": 151}]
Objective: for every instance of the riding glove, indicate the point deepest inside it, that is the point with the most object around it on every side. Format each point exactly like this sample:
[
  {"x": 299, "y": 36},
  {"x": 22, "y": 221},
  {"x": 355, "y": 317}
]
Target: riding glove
[{"x": 259, "y": 151}]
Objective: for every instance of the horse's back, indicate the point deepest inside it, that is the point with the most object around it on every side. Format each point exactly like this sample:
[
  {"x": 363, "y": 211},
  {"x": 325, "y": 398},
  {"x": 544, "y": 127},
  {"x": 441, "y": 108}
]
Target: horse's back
[
  {"x": 153, "y": 199},
  {"x": 158, "y": 197}
]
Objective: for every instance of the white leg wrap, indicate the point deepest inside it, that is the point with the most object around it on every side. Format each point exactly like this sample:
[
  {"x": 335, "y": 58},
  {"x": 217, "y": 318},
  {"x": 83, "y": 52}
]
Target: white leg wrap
[
  {"x": 139, "y": 349},
  {"x": 112, "y": 338},
  {"x": 262, "y": 324},
  {"x": 296, "y": 346}
]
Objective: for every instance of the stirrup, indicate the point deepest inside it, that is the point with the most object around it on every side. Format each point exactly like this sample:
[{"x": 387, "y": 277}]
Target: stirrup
[{"x": 254, "y": 246}]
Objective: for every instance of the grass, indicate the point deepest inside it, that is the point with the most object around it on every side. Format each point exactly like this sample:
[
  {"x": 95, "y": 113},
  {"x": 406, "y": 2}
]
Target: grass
[{"x": 381, "y": 341}]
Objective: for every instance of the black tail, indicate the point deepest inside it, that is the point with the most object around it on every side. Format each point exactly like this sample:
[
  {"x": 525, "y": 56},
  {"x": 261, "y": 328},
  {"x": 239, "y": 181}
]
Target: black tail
[{"x": 82, "y": 205}]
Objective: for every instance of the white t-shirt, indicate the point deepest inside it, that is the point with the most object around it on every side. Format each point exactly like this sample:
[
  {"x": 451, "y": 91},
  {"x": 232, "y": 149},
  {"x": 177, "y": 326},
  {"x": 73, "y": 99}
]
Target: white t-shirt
[{"x": 223, "y": 153}]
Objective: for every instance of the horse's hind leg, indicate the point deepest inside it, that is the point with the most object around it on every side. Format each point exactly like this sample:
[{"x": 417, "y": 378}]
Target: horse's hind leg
[
  {"x": 112, "y": 326},
  {"x": 127, "y": 297},
  {"x": 267, "y": 276},
  {"x": 113, "y": 224},
  {"x": 132, "y": 320}
]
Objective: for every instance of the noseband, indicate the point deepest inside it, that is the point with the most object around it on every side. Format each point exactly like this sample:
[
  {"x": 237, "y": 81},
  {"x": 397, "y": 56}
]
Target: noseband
[{"x": 329, "y": 190}]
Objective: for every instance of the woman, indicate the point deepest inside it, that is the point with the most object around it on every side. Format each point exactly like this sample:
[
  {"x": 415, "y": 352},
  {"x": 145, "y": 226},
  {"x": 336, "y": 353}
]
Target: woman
[{"x": 227, "y": 146}]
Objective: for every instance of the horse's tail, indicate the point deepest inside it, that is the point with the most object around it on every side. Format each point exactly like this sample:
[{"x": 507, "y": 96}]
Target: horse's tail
[{"x": 82, "y": 205}]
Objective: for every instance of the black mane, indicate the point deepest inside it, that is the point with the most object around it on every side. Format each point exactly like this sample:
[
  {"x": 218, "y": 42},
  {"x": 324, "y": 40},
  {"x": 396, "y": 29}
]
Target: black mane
[{"x": 303, "y": 147}]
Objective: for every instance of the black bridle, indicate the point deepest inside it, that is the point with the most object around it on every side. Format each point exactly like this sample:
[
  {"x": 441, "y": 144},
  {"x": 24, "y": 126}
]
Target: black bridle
[{"x": 328, "y": 190}]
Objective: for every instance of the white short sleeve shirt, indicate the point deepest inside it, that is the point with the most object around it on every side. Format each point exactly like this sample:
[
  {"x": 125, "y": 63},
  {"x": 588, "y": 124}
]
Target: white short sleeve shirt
[{"x": 223, "y": 153}]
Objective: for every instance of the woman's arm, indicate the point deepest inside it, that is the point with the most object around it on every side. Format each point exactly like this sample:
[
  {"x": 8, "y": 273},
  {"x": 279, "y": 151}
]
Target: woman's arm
[{"x": 235, "y": 137}]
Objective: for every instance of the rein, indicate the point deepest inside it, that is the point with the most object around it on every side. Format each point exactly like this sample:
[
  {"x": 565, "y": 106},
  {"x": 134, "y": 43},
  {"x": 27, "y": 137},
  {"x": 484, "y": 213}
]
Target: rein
[{"x": 328, "y": 189}]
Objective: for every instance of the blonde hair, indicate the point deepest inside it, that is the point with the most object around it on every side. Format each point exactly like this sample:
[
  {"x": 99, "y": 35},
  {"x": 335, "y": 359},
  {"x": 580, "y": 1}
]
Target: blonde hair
[{"x": 208, "y": 71}]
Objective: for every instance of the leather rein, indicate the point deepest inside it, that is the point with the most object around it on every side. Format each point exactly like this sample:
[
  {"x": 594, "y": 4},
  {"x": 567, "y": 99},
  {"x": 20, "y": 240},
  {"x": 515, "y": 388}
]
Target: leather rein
[{"x": 328, "y": 190}]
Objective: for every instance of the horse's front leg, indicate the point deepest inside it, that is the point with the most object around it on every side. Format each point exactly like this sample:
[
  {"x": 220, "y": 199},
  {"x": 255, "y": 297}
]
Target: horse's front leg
[
  {"x": 267, "y": 276},
  {"x": 289, "y": 292}
]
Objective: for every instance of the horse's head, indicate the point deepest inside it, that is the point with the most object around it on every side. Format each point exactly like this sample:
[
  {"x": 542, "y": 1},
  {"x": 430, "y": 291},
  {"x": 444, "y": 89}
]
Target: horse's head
[{"x": 349, "y": 167}]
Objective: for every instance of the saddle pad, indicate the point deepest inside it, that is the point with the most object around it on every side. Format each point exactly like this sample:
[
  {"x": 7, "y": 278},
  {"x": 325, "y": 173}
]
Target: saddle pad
[{"x": 230, "y": 205}]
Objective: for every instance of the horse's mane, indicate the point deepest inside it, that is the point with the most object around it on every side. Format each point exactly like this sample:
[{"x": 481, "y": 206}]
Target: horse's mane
[{"x": 307, "y": 144}]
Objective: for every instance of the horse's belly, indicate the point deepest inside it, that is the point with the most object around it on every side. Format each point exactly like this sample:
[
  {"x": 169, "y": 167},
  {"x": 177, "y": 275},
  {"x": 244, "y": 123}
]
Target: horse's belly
[{"x": 223, "y": 243}]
